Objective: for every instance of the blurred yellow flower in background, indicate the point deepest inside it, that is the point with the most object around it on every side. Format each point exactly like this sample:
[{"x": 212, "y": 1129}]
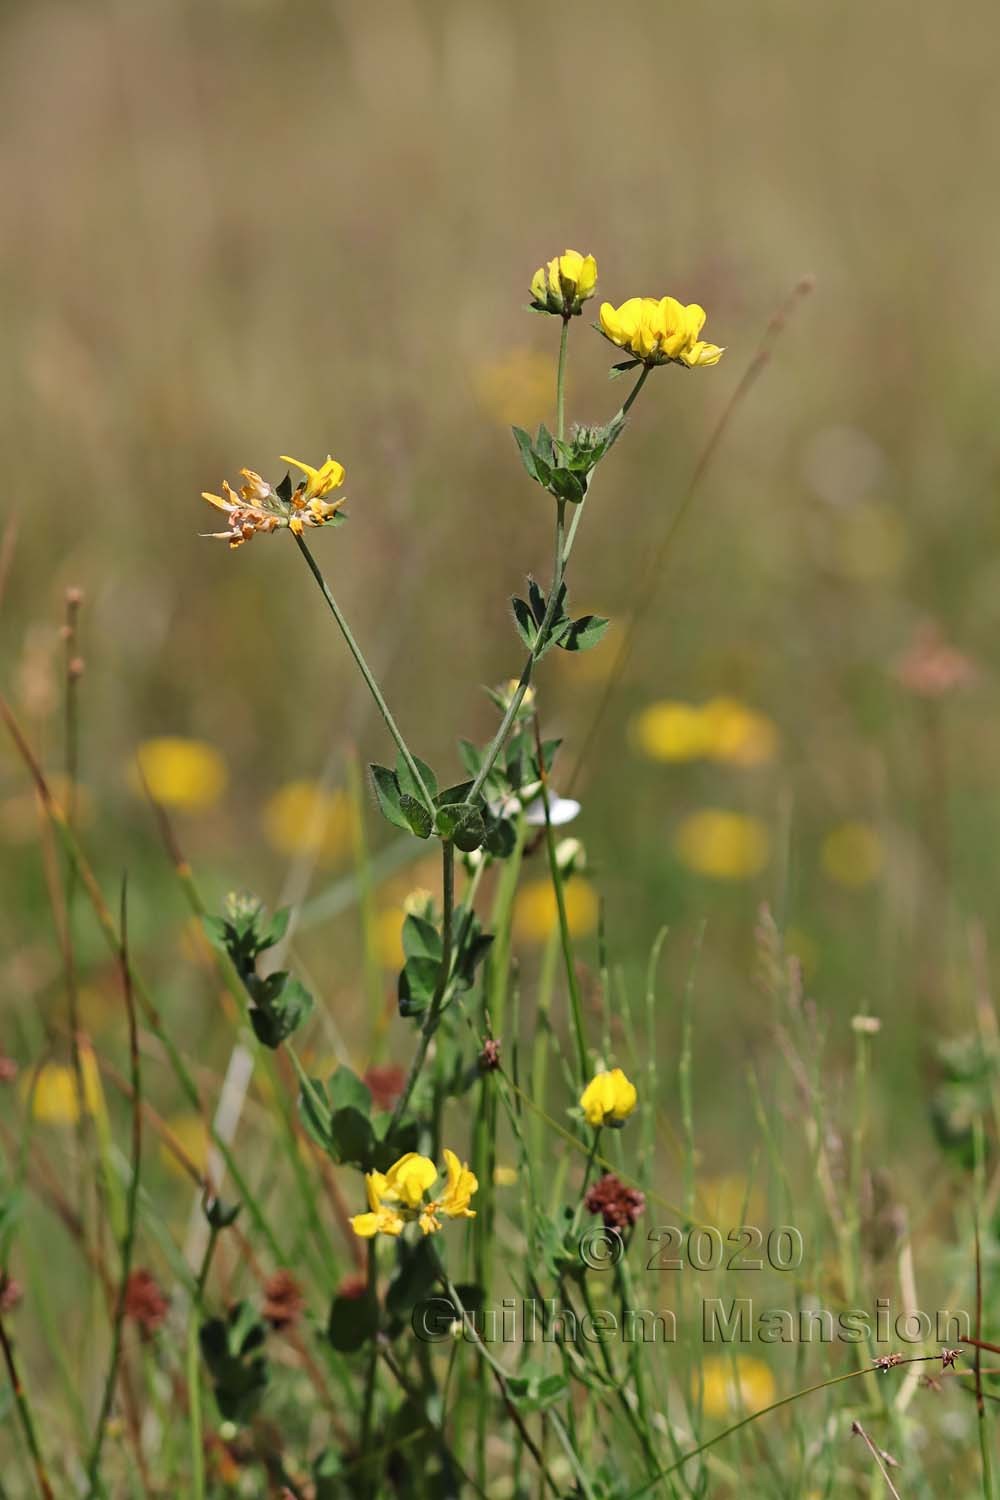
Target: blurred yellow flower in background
[
  {"x": 728, "y": 1201},
  {"x": 516, "y": 387},
  {"x": 303, "y": 818},
  {"x": 181, "y": 773},
  {"x": 671, "y": 731},
  {"x": 734, "y": 1386},
  {"x": 659, "y": 331},
  {"x": 723, "y": 729},
  {"x": 852, "y": 854},
  {"x": 192, "y": 1136},
  {"x": 536, "y": 914},
  {"x": 738, "y": 734},
  {"x": 723, "y": 845},
  {"x": 53, "y": 1090},
  {"x": 389, "y": 937}
]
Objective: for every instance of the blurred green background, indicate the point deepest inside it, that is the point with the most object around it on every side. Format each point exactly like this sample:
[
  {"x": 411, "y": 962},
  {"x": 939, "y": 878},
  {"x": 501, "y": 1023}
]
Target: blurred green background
[{"x": 236, "y": 230}]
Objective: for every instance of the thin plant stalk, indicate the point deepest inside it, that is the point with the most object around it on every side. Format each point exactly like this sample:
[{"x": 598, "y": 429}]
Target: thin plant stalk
[
  {"x": 434, "y": 1009},
  {"x": 565, "y": 937},
  {"x": 25, "y": 1416},
  {"x": 132, "y": 1205},
  {"x": 365, "y": 671}
]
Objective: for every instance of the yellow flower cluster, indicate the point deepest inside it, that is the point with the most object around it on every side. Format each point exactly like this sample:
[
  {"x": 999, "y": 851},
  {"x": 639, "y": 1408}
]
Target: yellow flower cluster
[
  {"x": 608, "y": 1099},
  {"x": 723, "y": 845},
  {"x": 723, "y": 729},
  {"x": 565, "y": 284},
  {"x": 659, "y": 332},
  {"x": 259, "y": 507},
  {"x": 397, "y": 1197}
]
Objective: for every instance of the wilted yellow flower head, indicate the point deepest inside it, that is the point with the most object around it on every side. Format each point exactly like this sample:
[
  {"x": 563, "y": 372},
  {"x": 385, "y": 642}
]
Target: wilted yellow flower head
[
  {"x": 260, "y": 506},
  {"x": 723, "y": 729},
  {"x": 723, "y": 845},
  {"x": 565, "y": 284},
  {"x": 397, "y": 1197},
  {"x": 608, "y": 1099},
  {"x": 180, "y": 772},
  {"x": 659, "y": 332}
]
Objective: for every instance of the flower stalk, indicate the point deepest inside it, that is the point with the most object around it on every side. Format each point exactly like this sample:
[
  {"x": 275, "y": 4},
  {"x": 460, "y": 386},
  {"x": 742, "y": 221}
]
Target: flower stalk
[{"x": 365, "y": 670}]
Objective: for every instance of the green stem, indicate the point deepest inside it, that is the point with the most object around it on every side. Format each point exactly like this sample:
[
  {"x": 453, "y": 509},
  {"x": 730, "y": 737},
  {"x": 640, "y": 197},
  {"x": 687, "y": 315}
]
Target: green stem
[
  {"x": 194, "y": 1407},
  {"x": 366, "y": 672},
  {"x": 524, "y": 682},
  {"x": 26, "y": 1419},
  {"x": 623, "y": 413},
  {"x": 368, "y": 1410},
  {"x": 434, "y": 1010},
  {"x": 565, "y": 936},
  {"x": 499, "y": 1373},
  {"x": 561, "y": 382},
  {"x": 132, "y": 1209}
]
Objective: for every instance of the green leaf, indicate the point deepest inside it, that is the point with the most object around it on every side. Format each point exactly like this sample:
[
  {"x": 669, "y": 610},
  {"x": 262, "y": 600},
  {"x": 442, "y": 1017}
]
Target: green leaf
[
  {"x": 568, "y": 485},
  {"x": 535, "y": 1390},
  {"x": 352, "y": 1139},
  {"x": 388, "y": 795},
  {"x": 231, "y": 1349},
  {"x": 353, "y": 1321},
  {"x": 283, "y": 489},
  {"x": 275, "y": 929},
  {"x": 617, "y": 371},
  {"x": 537, "y": 601},
  {"x": 407, "y": 782},
  {"x": 545, "y": 445},
  {"x": 421, "y": 939},
  {"x": 281, "y": 1005},
  {"x": 470, "y": 829},
  {"x": 416, "y": 814},
  {"x": 453, "y": 794},
  {"x": 417, "y": 984},
  {"x": 584, "y": 633},
  {"x": 416, "y": 1275},
  {"x": 501, "y": 838},
  {"x": 346, "y": 1090},
  {"x": 527, "y": 452},
  {"x": 525, "y": 622},
  {"x": 315, "y": 1112},
  {"x": 470, "y": 755}
]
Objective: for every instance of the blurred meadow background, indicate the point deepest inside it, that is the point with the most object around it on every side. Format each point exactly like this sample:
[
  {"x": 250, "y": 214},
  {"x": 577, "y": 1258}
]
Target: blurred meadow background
[{"x": 235, "y": 230}]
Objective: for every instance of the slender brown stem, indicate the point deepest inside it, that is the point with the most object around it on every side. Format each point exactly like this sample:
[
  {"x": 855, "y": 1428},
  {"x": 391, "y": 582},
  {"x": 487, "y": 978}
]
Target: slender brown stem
[{"x": 25, "y": 1417}]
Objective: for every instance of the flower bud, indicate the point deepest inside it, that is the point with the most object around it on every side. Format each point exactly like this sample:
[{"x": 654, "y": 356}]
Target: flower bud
[{"x": 565, "y": 284}]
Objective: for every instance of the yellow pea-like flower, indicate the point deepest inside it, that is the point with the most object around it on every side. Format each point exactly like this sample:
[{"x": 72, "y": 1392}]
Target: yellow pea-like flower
[
  {"x": 564, "y": 284},
  {"x": 409, "y": 1178},
  {"x": 608, "y": 1099},
  {"x": 659, "y": 331},
  {"x": 397, "y": 1197}
]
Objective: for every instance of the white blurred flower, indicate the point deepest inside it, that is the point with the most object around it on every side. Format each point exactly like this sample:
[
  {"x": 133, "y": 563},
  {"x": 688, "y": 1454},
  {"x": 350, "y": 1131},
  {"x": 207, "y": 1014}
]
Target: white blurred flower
[{"x": 530, "y": 801}]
